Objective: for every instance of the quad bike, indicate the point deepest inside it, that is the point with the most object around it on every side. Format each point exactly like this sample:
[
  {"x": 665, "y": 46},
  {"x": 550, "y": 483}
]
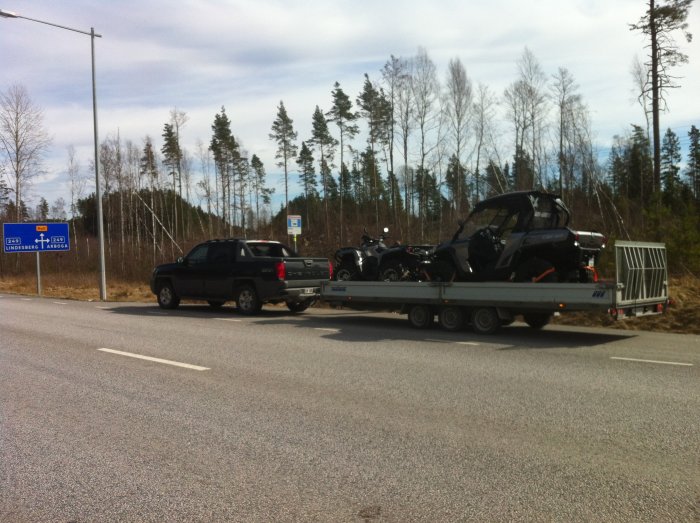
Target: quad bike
[{"x": 374, "y": 260}]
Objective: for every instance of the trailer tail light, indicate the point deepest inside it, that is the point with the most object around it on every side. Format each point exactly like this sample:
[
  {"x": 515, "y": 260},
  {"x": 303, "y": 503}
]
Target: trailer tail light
[
  {"x": 281, "y": 270},
  {"x": 330, "y": 270}
]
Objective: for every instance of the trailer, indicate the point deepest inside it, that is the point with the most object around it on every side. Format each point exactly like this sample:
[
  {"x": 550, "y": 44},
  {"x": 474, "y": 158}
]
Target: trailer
[{"x": 640, "y": 288}]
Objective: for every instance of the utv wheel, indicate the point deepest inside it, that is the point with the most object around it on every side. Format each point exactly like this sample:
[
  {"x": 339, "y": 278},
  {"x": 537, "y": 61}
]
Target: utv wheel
[
  {"x": 167, "y": 299},
  {"x": 299, "y": 306},
  {"x": 485, "y": 320},
  {"x": 442, "y": 270},
  {"x": 537, "y": 320},
  {"x": 345, "y": 272},
  {"x": 248, "y": 301},
  {"x": 216, "y": 304},
  {"x": 451, "y": 318},
  {"x": 421, "y": 316}
]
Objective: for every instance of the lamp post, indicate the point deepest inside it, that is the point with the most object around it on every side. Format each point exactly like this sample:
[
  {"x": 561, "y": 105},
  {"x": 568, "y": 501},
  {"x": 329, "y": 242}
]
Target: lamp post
[{"x": 100, "y": 227}]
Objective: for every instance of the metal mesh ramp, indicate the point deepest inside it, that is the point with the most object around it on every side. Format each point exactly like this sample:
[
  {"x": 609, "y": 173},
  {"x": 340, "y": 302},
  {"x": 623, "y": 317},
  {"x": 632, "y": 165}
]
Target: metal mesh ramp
[{"x": 642, "y": 271}]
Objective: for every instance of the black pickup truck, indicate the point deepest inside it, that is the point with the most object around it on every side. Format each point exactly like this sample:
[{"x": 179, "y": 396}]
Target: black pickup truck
[{"x": 251, "y": 272}]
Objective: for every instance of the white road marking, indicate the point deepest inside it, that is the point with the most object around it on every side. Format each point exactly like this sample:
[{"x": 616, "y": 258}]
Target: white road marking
[
  {"x": 60, "y": 303},
  {"x": 103, "y": 308},
  {"x": 326, "y": 330},
  {"x": 157, "y": 360},
  {"x": 227, "y": 319},
  {"x": 157, "y": 313},
  {"x": 26, "y": 299},
  {"x": 653, "y": 361},
  {"x": 437, "y": 340},
  {"x": 470, "y": 343}
]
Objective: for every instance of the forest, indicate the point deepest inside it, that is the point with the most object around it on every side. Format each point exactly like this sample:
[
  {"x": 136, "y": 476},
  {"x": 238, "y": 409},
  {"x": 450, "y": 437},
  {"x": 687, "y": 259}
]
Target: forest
[{"x": 414, "y": 150}]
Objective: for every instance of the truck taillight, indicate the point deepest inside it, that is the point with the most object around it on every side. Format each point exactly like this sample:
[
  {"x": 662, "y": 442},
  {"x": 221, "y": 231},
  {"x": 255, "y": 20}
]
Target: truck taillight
[
  {"x": 330, "y": 271},
  {"x": 281, "y": 271}
]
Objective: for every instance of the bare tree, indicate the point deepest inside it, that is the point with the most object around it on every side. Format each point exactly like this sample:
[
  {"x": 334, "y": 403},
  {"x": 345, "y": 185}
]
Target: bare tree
[
  {"x": 426, "y": 92},
  {"x": 23, "y": 140},
  {"x": 457, "y": 105},
  {"x": 483, "y": 123}
]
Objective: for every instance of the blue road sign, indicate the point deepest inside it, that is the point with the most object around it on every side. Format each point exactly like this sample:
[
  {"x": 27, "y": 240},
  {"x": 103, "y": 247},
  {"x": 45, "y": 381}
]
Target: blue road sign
[{"x": 35, "y": 237}]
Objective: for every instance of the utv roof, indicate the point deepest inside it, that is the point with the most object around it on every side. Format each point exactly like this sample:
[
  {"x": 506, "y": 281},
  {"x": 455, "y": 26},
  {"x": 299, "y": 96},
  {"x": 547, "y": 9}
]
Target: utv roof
[{"x": 516, "y": 199}]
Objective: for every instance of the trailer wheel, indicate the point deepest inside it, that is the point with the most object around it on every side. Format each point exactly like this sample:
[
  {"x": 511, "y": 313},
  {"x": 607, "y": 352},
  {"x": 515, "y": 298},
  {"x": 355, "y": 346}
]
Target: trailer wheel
[
  {"x": 451, "y": 318},
  {"x": 485, "y": 320},
  {"x": 537, "y": 320},
  {"x": 421, "y": 316}
]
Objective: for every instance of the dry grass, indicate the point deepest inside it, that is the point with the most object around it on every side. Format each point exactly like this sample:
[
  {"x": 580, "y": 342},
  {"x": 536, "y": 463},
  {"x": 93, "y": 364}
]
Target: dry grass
[{"x": 682, "y": 317}]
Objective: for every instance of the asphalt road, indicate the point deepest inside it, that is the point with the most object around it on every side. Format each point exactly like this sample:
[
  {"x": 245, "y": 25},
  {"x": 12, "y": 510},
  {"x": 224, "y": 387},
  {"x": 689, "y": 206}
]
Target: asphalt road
[{"x": 338, "y": 416}]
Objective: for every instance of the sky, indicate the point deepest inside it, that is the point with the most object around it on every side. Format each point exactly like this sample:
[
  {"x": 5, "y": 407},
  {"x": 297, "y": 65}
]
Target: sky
[{"x": 248, "y": 55}]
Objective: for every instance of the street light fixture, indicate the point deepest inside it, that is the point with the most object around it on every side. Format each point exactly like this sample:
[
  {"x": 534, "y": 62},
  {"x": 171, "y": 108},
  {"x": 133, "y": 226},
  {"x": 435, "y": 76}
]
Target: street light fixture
[{"x": 100, "y": 226}]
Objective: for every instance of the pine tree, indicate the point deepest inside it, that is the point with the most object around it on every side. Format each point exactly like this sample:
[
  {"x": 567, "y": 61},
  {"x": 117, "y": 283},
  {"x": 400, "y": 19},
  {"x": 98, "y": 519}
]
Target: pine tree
[
  {"x": 670, "y": 167},
  {"x": 341, "y": 113},
  {"x": 284, "y": 134},
  {"x": 324, "y": 144},
  {"x": 693, "y": 166},
  {"x": 660, "y": 21}
]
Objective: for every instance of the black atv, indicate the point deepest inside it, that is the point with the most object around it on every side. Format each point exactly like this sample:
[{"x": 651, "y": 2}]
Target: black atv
[
  {"x": 518, "y": 236},
  {"x": 374, "y": 260}
]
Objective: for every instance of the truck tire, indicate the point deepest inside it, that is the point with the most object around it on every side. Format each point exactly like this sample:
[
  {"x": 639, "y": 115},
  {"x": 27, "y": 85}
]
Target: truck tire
[
  {"x": 421, "y": 316},
  {"x": 248, "y": 301},
  {"x": 167, "y": 299},
  {"x": 451, "y": 318},
  {"x": 485, "y": 320},
  {"x": 537, "y": 320}
]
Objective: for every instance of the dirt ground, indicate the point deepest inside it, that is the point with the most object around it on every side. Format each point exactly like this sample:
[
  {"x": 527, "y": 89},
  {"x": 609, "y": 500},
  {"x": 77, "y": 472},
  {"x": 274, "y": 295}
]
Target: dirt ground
[{"x": 682, "y": 317}]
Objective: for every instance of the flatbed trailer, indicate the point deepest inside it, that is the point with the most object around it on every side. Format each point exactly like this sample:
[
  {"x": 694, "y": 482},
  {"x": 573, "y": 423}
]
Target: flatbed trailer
[{"x": 640, "y": 288}]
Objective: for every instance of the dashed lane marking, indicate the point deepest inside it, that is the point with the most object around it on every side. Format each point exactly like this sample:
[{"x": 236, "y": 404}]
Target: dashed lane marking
[
  {"x": 157, "y": 360},
  {"x": 326, "y": 330},
  {"x": 228, "y": 319},
  {"x": 60, "y": 303},
  {"x": 653, "y": 361}
]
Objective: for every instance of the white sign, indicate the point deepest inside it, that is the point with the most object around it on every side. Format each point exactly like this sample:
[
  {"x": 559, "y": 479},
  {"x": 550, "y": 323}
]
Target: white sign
[{"x": 293, "y": 224}]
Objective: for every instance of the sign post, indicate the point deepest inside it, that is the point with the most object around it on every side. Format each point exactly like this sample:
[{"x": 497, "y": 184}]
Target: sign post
[
  {"x": 294, "y": 227},
  {"x": 35, "y": 237}
]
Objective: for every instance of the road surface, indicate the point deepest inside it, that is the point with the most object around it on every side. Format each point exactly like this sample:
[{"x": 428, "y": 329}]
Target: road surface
[{"x": 125, "y": 412}]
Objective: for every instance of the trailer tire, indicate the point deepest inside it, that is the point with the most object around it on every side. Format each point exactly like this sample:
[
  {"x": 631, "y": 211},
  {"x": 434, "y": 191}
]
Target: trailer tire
[
  {"x": 537, "y": 320},
  {"x": 421, "y": 316},
  {"x": 485, "y": 320},
  {"x": 451, "y": 318},
  {"x": 346, "y": 271}
]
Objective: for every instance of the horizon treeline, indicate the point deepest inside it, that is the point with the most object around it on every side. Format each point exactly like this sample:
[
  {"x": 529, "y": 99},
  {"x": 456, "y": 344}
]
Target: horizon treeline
[{"x": 413, "y": 150}]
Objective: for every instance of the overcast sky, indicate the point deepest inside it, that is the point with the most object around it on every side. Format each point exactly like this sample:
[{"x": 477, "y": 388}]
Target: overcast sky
[{"x": 247, "y": 55}]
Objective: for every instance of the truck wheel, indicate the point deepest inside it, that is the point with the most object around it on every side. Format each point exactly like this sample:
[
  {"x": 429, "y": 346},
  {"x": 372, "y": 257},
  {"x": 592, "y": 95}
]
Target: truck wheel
[
  {"x": 485, "y": 320},
  {"x": 421, "y": 316},
  {"x": 167, "y": 299},
  {"x": 299, "y": 306},
  {"x": 451, "y": 318},
  {"x": 345, "y": 272},
  {"x": 537, "y": 320},
  {"x": 248, "y": 301},
  {"x": 216, "y": 304}
]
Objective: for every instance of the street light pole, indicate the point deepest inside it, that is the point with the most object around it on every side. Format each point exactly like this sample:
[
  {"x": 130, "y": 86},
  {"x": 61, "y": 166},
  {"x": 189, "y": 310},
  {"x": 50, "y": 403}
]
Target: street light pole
[{"x": 100, "y": 227}]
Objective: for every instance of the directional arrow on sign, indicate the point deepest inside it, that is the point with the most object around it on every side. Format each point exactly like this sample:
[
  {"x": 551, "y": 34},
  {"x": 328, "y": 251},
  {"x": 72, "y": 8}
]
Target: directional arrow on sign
[{"x": 41, "y": 240}]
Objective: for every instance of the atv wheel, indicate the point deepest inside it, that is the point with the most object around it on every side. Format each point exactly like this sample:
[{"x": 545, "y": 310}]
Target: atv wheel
[
  {"x": 391, "y": 272},
  {"x": 345, "y": 272}
]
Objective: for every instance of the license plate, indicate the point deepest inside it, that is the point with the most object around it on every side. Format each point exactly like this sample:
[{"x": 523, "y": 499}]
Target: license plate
[{"x": 308, "y": 290}]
